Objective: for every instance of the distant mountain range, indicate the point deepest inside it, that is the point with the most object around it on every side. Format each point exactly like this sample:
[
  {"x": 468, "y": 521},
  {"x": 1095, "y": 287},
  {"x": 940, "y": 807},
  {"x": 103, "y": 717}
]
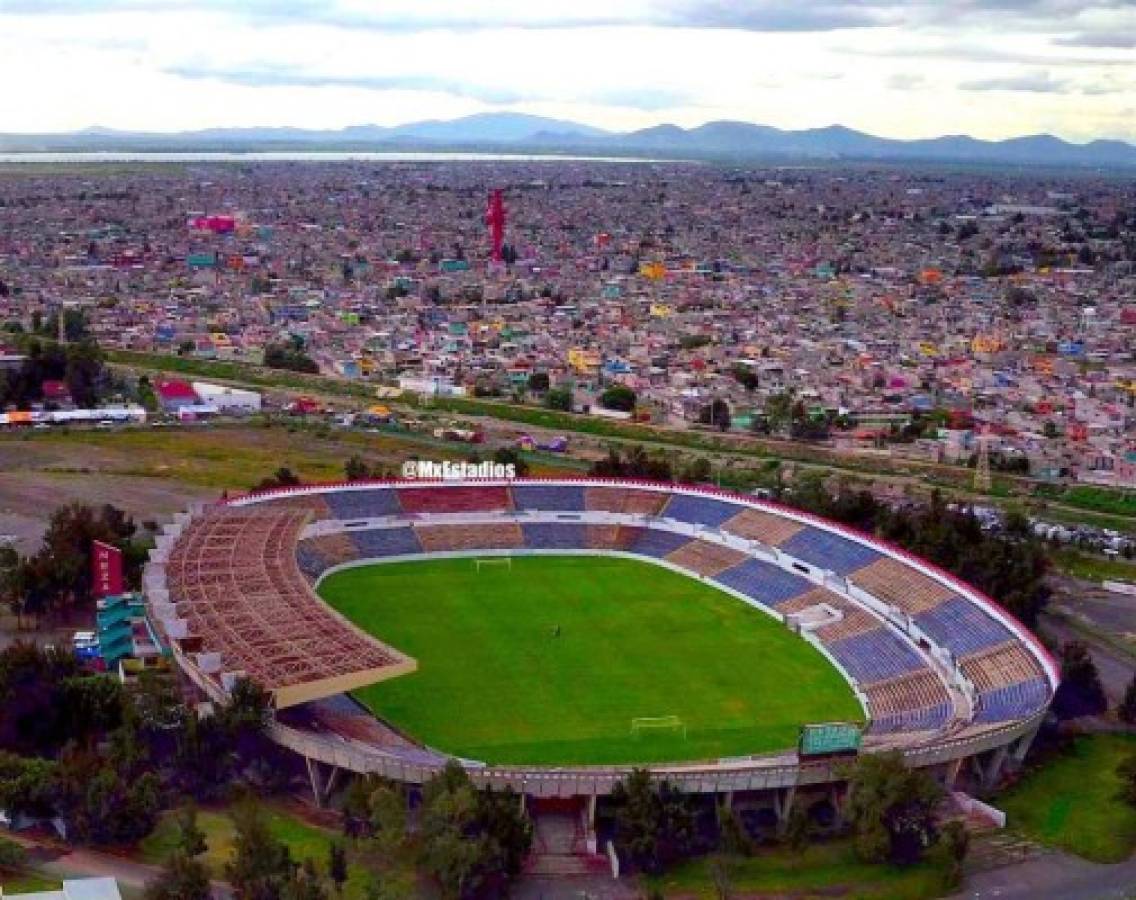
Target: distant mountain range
[{"x": 519, "y": 133}]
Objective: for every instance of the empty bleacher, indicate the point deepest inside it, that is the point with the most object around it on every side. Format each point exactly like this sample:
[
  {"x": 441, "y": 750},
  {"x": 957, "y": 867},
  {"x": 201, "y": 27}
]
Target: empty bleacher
[
  {"x": 914, "y": 702},
  {"x": 362, "y": 503},
  {"x": 826, "y": 550},
  {"x": 549, "y": 497},
  {"x": 331, "y": 549},
  {"x": 763, "y": 582},
  {"x": 701, "y": 510},
  {"x": 554, "y": 536},
  {"x": 315, "y": 503},
  {"x": 375, "y": 543},
  {"x": 962, "y": 627},
  {"x": 461, "y": 498},
  {"x": 629, "y": 501},
  {"x": 705, "y": 558},
  {"x": 875, "y": 655},
  {"x": 611, "y": 537},
  {"x": 897, "y": 584},
  {"x": 1000, "y": 666},
  {"x": 756, "y": 525},
  {"x": 311, "y": 562},
  {"x": 652, "y": 542},
  {"x": 1015, "y": 701},
  {"x": 497, "y": 536}
]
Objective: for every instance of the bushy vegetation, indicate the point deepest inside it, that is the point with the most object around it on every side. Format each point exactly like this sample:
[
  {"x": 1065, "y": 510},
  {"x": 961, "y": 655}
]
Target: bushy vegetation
[{"x": 106, "y": 759}]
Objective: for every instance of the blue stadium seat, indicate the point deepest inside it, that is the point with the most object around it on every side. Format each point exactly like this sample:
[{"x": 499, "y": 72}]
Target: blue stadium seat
[
  {"x": 764, "y": 582},
  {"x": 700, "y": 510},
  {"x": 555, "y": 536},
  {"x": 653, "y": 542},
  {"x": 549, "y": 497},
  {"x": 310, "y": 560},
  {"x": 1014, "y": 702},
  {"x": 379, "y": 542},
  {"x": 363, "y": 504},
  {"x": 826, "y": 550},
  {"x": 962, "y": 627},
  {"x": 875, "y": 655}
]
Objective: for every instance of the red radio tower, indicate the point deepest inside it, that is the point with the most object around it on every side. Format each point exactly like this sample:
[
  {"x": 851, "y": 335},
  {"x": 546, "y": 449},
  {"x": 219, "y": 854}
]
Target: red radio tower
[{"x": 495, "y": 219}]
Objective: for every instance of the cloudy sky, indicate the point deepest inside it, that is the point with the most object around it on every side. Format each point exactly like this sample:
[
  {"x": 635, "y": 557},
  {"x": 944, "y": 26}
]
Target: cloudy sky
[{"x": 991, "y": 68}]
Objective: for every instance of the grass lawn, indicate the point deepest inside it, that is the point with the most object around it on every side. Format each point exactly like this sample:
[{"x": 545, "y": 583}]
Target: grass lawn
[
  {"x": 1071, "y": 801},
  {"x": 304, "y": 840},
  {"x": 1094, "y": 568},
  {"x": 820, "y": 870},
  {"x": 494, "y": 683},
  {"x": 28, "y": 882}
]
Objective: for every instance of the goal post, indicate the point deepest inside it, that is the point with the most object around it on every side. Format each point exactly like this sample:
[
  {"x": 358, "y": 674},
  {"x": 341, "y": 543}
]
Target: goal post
[
  {"x": 504, "y": 562},
  {"x": 671, "y": 724}
]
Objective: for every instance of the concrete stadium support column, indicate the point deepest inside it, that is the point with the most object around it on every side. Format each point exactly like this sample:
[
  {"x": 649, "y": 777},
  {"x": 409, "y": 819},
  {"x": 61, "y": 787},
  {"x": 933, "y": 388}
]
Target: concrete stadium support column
[
  {"x": 727, "y": 799},
  {"x": 322, "y": 788},
  {"x": 782, "y": 804},
  {"x": 950, "y": 776},
  {"x": 989, "y": 771},
  {"x": 1023, "y": 744}
]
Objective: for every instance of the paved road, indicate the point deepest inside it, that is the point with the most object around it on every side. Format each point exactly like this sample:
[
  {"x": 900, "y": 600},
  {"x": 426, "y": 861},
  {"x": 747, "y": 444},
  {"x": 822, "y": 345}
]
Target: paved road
[
  {"x": 60, "y": 861},
  {"x": 1055, "y": 876}
]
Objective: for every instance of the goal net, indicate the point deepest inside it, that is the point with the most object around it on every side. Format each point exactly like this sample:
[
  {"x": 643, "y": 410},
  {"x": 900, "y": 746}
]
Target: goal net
[
  {"x": 502, "y": 562},
  {"x": 650, "y": 724}
]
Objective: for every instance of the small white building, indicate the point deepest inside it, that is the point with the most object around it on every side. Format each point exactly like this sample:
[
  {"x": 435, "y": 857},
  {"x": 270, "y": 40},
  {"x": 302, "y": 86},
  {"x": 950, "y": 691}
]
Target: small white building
[
  {"x": 228, "y": 400},
  {"x": 74, "y": 889}
]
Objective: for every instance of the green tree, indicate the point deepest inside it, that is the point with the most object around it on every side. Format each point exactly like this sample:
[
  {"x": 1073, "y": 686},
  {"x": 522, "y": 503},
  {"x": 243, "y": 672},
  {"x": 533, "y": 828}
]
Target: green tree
[
  {"x": 511, "y": 456},
  {"x": 891, "y": 809},
  {"x": 559, "y": 399},
  {"x": 262, "y": 866},
  {"x": 451, "y": 852},
  {"x": 337, "y": 865},
  {"x": 305, "y": 884},
  {"x": 184, "y": 876},
  {"x": 1127, "y": 708},
  {"x": 356, "y": 469},
  {"x": 732, "y": 837},
  {"x": 471, "y": 841},
  {"x": 1080, "y": 692},
  {"x": 181, "y": 878},
  {"x": 797, "y": 828},
  {"x": 654, "y": 822},
  {"x": 539, "y": 382},
  {"x": 955, "y": 842},
  {"x": 619, "y": 397}
]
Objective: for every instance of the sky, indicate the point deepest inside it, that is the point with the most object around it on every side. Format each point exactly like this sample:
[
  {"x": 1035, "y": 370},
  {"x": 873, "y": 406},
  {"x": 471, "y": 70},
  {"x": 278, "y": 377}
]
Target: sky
[{"x": 989, "y": 68}]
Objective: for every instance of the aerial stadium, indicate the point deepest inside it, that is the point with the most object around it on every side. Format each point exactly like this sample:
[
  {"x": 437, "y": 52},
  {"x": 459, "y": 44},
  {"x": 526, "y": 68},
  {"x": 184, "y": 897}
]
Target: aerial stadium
[{"x": 551, "y": 635}]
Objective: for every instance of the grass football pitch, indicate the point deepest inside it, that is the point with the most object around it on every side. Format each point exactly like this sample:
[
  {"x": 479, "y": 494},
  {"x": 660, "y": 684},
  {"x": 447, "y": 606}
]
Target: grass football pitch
[{"x": 549, "y": 661}]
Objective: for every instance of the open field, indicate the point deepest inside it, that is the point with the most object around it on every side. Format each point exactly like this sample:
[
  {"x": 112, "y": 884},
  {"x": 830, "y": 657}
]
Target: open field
[
  {"x": 495, "y": 683},
  {"x": 828, "y": 869},
  {"x": 1071, "y": 801},
  {"x": 1092, "y": 567}
]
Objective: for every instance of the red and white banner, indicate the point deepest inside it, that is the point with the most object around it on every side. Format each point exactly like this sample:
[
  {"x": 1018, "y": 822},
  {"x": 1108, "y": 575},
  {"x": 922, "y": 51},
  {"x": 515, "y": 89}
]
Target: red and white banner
[{"x": 106, "y": 569}]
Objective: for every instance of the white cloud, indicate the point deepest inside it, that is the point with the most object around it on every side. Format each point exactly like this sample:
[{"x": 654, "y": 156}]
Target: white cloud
[{"x": 171, "y": 65}]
